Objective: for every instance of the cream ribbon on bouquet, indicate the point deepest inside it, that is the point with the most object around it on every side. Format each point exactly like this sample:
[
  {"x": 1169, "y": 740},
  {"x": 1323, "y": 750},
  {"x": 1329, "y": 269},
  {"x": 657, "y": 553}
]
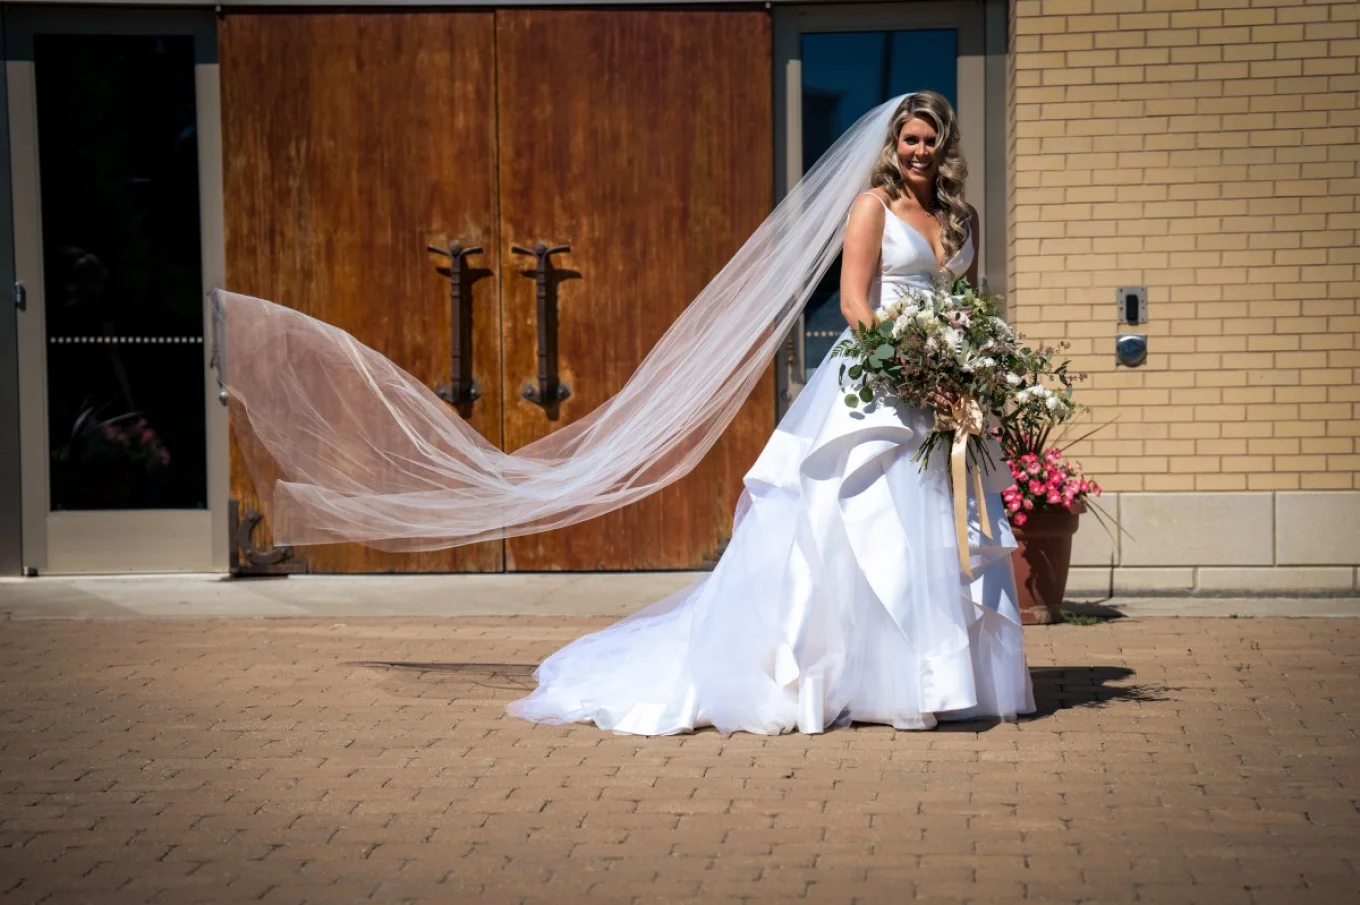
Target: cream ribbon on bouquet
[{"x": 965, "y": 419}]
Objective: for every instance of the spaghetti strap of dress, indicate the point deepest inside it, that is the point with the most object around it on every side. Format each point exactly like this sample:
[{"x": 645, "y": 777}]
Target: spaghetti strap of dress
[{"x": 875, "y": 196}]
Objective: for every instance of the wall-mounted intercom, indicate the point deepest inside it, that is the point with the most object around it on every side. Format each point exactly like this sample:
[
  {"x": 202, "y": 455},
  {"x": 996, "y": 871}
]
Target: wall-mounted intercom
[
  {"x": 1130, "y": 349},
  {"x": 1132, "y": 302}
]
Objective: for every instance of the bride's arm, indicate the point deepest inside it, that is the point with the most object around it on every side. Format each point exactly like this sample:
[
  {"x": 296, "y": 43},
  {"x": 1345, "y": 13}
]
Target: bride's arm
[{"x": 863, "y": 243}]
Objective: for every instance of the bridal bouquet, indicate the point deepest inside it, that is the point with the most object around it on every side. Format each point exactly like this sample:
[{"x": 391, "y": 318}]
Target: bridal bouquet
[{"x": 945, "y": 349}]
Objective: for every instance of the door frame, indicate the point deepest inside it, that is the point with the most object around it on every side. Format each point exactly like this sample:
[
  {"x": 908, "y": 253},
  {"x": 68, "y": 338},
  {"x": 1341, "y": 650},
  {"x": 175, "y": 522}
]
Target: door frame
[
  {"x": 171, "y": 540},
  {"x": 11, "y": 473},
  {"x": 981, "y": 29}
]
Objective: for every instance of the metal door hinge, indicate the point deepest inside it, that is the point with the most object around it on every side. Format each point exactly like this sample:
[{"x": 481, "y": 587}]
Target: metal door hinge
[
  {"x": 20, "y": 296},
  {"x": 246, "y": 559}
]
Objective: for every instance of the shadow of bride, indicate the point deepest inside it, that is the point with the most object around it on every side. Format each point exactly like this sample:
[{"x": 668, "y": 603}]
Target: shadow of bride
[
  {"x": 1070, "y": 687},
  {"x": 1067, "y": 687}
]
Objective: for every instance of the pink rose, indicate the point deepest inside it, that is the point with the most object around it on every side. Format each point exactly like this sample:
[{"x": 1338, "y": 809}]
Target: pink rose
[{"x": 1019, "y": 518}]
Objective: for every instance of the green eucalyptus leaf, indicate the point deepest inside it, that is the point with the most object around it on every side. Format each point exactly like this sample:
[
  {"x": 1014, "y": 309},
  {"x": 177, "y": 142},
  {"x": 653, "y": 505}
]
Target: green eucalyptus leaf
[
  {"x": 866, "y": 394},
  {"x": 852, "y": 400},
  {"x": 856, "y": 371},
  {"x": 884, "y": 351}
]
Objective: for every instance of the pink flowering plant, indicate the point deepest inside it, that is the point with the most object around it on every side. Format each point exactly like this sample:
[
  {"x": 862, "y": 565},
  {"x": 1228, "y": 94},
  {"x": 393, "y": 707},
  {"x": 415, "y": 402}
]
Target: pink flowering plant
[
  {"x": 1048, "y": 480},
  {"x": 1032, "y": 436}
]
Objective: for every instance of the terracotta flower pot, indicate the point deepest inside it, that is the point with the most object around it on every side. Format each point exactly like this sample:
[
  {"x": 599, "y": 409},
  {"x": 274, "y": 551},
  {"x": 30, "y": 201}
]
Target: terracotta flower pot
[{"x": 1042, "y": 560}]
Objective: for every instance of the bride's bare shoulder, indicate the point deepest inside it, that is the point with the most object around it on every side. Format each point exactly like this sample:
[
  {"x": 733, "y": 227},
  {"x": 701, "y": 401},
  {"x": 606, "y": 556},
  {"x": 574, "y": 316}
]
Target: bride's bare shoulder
[
  {"x": 869, "y": 207},
  {"x": 877, "y": 193}
]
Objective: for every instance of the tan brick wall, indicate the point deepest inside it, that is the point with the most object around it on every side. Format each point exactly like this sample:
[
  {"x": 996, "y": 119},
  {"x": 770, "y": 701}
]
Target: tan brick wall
[{"x": 1206, "y": 149}]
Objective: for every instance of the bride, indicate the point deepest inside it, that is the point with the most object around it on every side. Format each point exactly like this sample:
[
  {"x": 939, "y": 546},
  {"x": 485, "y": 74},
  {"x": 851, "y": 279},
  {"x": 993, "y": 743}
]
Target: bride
[{"x": 840, "y": 597}]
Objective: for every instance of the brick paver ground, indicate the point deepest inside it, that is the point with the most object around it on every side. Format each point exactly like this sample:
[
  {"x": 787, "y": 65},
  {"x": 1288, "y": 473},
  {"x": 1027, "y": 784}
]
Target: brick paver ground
[{"x": 282, "y": 762}]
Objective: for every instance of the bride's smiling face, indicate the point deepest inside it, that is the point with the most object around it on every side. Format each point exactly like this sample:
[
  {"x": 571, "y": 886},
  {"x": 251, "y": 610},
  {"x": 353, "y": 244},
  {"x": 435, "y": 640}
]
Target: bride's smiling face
[{"x": 916, "y": 151}]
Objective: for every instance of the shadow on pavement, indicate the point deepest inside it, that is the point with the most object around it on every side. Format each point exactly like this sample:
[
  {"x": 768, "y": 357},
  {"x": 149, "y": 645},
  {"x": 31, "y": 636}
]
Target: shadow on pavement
[
  {"x": 415, "y": 679},
  {"x": 1055, "y": 687},
  {"x": 1065, "y": 687}
]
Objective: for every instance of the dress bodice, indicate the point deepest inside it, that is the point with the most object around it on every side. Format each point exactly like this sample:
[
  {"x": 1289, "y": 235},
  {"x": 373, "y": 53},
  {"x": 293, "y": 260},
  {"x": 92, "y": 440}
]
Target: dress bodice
[{"x": 908, "y": 262}]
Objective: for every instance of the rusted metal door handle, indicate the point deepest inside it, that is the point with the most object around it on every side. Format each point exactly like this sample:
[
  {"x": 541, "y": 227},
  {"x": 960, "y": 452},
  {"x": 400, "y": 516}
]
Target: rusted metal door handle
[
  {"x": 461, "y": 388},
  {"x": 550, "y": 388}
]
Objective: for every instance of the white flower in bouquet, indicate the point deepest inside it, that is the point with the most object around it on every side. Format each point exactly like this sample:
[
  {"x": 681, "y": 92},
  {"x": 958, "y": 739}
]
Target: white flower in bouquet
[
  {"x": 1013, "y": 379},
  {"x": 952, "y": 338},
  {"x": 901, "y": 325}
]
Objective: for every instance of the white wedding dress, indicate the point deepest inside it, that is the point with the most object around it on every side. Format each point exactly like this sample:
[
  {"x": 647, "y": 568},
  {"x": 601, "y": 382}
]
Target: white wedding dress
[{"x": 840, "y": 597}]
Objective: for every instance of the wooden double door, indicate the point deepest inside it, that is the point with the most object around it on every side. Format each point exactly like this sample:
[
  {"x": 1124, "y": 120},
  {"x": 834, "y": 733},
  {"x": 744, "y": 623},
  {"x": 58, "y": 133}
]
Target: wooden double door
[{"x": 641, "y": 139}]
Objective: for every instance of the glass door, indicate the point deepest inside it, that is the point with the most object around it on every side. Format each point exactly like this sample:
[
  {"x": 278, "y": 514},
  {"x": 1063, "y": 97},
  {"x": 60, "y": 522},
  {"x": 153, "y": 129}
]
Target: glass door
[
  {"x": 114, "y": 159},
  {"x": 833, "y": 64}
]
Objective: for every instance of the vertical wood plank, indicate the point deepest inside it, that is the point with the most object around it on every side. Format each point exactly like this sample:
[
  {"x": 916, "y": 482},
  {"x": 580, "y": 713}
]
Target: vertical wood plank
[
  {"x": 351, "y": 141},
  {"x": 644, "y": 140}
]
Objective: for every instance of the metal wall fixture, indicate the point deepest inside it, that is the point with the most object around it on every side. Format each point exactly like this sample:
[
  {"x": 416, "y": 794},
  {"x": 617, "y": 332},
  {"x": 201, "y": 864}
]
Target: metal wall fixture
[
  {"x": 1132, "y": 305},
  {"x": 246, "y": 558},
  {"x": 550, "y": 389},
  {"x": 461, "y": 388},
  {"x": 1130, "y": 349},
  {"x": 1131, "y": 309}
]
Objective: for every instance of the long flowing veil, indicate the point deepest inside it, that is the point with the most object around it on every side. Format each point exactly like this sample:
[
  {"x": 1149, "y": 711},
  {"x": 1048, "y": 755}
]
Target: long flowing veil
[{"x": 343, "y": 445}]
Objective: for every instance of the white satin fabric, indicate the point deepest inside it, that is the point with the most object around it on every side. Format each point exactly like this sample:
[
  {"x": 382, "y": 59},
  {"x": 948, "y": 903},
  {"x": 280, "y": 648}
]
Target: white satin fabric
[{"x": 840, "y": 596}]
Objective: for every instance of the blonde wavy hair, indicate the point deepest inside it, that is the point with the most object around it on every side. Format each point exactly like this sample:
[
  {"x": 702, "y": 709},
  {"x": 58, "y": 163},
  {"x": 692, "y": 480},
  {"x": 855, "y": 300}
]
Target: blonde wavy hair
[{"x": 950, "y": 208}]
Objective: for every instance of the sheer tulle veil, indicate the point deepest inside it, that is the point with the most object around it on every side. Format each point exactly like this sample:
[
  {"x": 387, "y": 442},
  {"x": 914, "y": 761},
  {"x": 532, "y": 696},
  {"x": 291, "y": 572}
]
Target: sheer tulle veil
[{"x": 343, "y": 445}]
